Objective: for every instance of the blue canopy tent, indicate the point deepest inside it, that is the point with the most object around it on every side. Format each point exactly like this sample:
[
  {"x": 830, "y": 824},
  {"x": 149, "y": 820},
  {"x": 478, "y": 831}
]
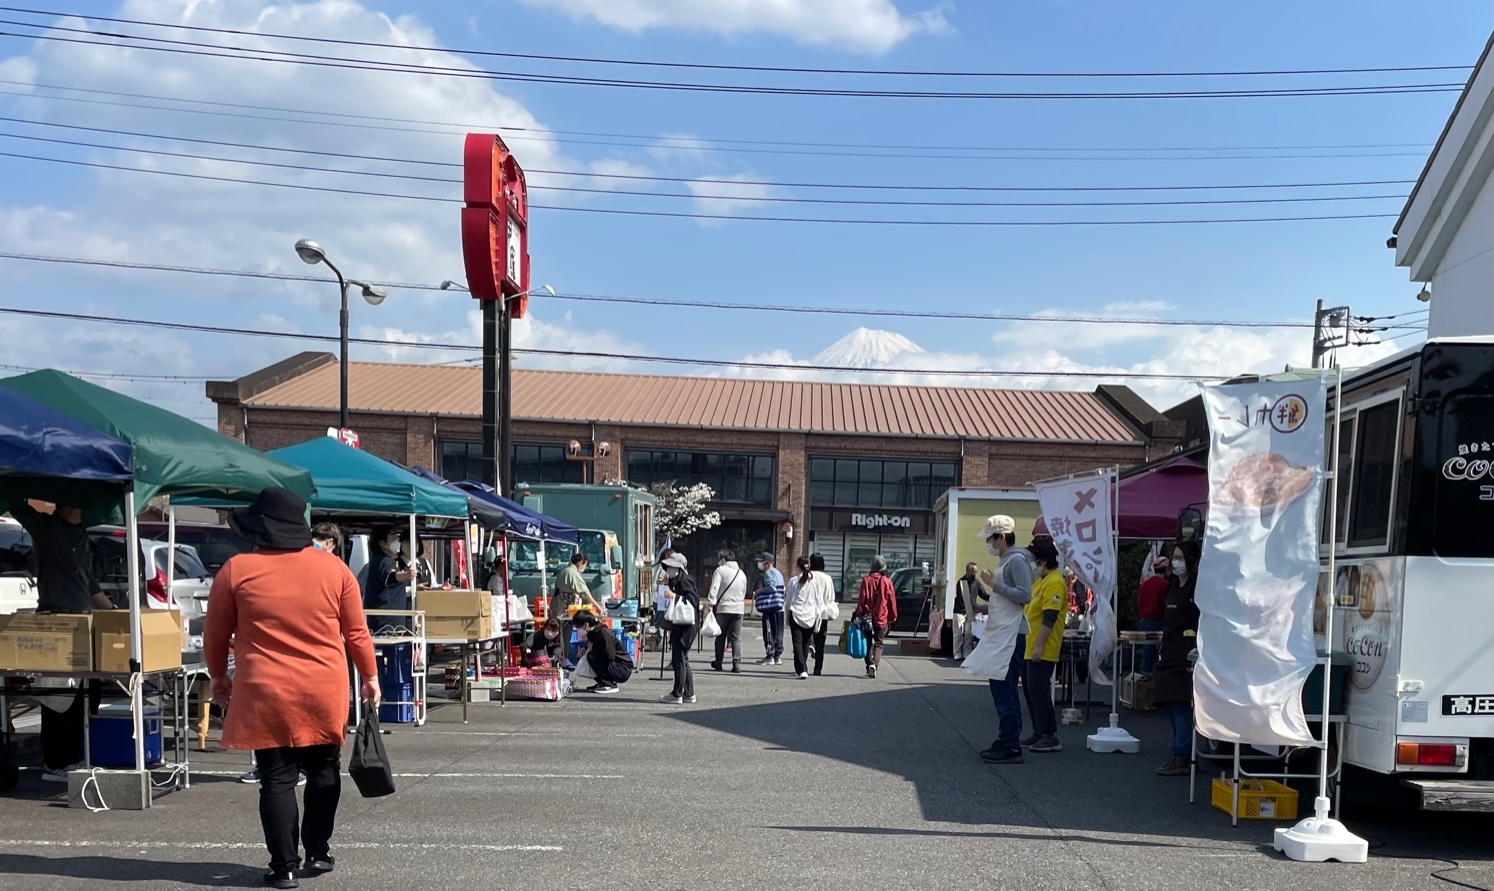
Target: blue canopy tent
[
  {"x": 46, "y": 455},
  {"x": 526, "y": 523}
]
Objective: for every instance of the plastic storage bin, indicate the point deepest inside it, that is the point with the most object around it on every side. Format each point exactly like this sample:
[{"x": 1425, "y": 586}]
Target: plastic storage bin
[
  {"x": 1259, "y": 799},
  {"x": 111, "y": 741},
  {"x": 399, "y": 706}
]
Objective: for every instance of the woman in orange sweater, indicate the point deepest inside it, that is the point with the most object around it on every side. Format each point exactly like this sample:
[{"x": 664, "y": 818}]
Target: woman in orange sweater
[{"x": 292, "y": 614}]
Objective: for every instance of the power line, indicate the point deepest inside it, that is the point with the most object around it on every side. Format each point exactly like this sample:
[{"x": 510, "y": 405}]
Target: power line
[
  {"x": 685, "y": 215},
  {"x": 685, "y": 304},
  {"x": 586, "y": 354},
  {"x": 175, "y": 47},
  {"x": 739, "y": 68},
  {"x": 772, "y": 199},
  {"x": 121, "y": 376},
  {"x": 684, "y": 179},
  {"x": 655, "y": 141}
]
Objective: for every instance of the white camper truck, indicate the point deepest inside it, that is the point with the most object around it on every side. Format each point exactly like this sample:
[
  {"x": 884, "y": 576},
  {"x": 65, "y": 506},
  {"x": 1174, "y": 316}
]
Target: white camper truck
[{"x": 1414, "y": 588}]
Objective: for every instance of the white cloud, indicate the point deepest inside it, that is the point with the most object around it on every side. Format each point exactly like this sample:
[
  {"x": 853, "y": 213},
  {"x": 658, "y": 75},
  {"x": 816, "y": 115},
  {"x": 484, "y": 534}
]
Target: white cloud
[
  {"x": 869, "y": 26},
  {"x": 727, "y": 195}
]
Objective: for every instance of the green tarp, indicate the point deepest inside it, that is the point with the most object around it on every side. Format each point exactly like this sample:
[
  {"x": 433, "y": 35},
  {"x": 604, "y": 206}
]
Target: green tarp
[
  {"x": 350, "y": 481},
  {"x": 172, "y": 455}
]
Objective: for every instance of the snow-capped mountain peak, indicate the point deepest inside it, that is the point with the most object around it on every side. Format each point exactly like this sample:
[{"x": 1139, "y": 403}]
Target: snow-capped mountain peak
[{"x": 866, "y": 348}]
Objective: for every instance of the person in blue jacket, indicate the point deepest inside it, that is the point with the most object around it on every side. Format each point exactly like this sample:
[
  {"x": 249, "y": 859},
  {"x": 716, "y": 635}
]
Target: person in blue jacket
[{"x": 769, "y": 604}]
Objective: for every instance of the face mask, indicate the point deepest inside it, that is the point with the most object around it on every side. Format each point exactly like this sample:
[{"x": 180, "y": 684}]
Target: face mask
[
  {"x": 995, "y": 551},
  {"x": 549, "y": 636},
  {"x": 762, "y": 567},
  {"x": 672, "y": 573},
  {"x": 1179, "y": 567}
]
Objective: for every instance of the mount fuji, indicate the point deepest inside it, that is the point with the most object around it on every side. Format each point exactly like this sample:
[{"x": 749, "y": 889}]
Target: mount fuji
[{"x": 867, "y": 348}]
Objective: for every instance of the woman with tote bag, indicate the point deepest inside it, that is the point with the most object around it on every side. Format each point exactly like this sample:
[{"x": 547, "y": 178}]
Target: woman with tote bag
[
  {"x": 684, "y": 609},
  {"x": 804, "y": 609}
]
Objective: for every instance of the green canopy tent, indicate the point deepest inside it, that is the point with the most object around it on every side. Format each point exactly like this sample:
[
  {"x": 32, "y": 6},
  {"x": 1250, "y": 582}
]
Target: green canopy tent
[
  {"x": 351, "y": 481},
  {"x": 172, "y": 456}
]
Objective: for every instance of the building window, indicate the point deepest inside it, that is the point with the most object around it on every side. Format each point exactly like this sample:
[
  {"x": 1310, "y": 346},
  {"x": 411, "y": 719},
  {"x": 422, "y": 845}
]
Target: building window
[
  {"x": 529, "y": 462},
  {"x": 736, "y": 479},
  {"x": 862, "y": 482}
]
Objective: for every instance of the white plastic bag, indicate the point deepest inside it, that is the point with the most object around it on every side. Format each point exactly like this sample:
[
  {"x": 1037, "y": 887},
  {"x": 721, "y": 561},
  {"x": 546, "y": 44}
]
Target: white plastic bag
[
  {"x": 711, "y": 628},
  {"x": 680, "y": 612},
  {"x": 583, "y": 670}
]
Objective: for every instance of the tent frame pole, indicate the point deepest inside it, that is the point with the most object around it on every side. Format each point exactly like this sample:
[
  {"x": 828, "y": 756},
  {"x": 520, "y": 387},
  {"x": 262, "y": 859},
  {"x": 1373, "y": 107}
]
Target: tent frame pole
[{"x": 137, "y": 656}]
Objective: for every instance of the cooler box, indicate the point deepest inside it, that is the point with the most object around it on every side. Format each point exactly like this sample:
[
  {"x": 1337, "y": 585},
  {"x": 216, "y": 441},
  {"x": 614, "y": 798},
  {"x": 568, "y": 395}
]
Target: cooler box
[
  {"x": 399, "y": 707},
  {"x": 396, "y": 665},
  {"x": 111, "y": 742}
]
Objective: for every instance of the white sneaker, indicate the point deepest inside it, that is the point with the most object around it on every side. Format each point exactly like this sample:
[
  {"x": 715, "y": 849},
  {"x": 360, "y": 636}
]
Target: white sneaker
[
  {"x": 59, "y": 775},
  {"x": 803, "y": 675},
  {"x": 777, "y": 661},
  {"x": 689, "y": 700},
  {"x": 671, "y": 699},
  {"x": 766, "y": 660}
]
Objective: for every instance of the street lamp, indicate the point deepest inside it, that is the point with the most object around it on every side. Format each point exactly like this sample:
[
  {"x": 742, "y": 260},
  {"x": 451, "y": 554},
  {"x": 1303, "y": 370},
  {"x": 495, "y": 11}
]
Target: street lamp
[
  {"x": 497, "y": 401},
  {"x": 311, "y": 253}
]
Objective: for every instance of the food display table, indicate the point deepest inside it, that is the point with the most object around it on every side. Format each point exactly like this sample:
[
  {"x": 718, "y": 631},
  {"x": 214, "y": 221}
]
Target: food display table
[
  {"x": 470, "y": 654},
  {"x": 172, "y": 684}
]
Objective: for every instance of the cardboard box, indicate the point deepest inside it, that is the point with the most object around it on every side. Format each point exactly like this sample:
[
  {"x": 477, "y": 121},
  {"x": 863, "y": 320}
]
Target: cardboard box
[
  {"x": 456, "y": 615},
  {"x": 1138, "y": 692},
  {"x": 916, "y": 647},
  {"x": 57, "y": 642},
  {"x": 160, "y": 640}
]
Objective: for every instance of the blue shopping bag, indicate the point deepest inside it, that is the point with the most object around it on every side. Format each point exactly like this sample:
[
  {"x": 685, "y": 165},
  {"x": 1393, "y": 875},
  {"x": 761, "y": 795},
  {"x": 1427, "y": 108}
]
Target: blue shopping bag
[{"x": 856, "y": 643}]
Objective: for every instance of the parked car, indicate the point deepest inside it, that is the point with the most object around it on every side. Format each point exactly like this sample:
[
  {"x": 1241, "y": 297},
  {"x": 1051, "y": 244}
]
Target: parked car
[
  {"x": 914, "y": 590},
  {"x": 17, "y": 579},
  {"x": 214, "y": 544},
  {"x": 190, "y": 580}
]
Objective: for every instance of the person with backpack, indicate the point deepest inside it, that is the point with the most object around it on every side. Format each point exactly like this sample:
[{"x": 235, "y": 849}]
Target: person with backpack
[
  {"x": 768, "y": 601},
  {"x": 878, "y": 604}
]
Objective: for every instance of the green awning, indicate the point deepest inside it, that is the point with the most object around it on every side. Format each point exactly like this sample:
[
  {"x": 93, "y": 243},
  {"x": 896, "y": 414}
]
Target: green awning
[
  {"x": 350, "y": 481},
  {"x": 172, "y": 455}
]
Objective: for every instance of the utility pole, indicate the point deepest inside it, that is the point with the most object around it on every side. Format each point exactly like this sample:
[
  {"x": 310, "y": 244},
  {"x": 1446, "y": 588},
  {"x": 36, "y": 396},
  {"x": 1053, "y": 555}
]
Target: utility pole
[{"x": 1317, "y": 337}]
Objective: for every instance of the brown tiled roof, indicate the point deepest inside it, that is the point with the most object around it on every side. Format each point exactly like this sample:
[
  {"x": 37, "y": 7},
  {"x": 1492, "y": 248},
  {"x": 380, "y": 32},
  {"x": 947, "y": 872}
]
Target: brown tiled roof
[{"x": 718, "y": 403}]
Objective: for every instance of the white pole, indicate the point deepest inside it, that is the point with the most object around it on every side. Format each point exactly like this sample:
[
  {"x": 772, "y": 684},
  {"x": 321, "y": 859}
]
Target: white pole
[
  {"x": 1323, "y": 802},
  {"x": 414, "y": 564},
  {"x": 132, "y": 565},
  {"x": 170, "y": 549}
]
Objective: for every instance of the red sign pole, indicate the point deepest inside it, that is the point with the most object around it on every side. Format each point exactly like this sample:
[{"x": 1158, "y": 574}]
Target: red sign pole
[{"x": 495, "y": 250}]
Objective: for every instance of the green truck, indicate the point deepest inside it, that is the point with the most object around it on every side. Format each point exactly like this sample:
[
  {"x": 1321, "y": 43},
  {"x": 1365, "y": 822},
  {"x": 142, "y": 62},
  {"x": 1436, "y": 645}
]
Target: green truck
[{"x": 617, "y": 535}]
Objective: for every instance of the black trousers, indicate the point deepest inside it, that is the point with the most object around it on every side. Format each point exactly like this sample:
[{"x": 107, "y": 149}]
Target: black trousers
[
  {"x": 285, "y": 831},
  {"x": 681, "y": 638},
  {"x": 803, "y": 639},
  {"x": 821, "y": 631},
  {"x": 62, "y": 732},
  {"x": 607, "y": 671},
  {"x": 731, "y": 631},
  {"x": 1037, "y": 688}
]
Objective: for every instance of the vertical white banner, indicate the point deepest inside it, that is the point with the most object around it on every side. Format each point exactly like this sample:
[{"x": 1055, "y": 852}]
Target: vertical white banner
[
  {"x": 1080, "y": 515},
  {"x": 1259, "y": 569}
]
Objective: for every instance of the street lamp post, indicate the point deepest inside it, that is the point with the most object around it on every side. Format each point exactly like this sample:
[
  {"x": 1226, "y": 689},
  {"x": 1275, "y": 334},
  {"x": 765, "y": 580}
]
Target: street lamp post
[
  {"x": 497, "y": 390},
  {"x": 311, "y": 253}
]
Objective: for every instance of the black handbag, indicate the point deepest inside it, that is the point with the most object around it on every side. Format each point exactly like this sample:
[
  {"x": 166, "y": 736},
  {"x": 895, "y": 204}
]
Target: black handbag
[{"x": 369, "y": 766}]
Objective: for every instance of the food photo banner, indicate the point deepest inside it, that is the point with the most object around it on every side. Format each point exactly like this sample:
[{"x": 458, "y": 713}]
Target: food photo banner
[
  {"x": 1080, "y": 515},
  {"x": 1258, "y": 575}
]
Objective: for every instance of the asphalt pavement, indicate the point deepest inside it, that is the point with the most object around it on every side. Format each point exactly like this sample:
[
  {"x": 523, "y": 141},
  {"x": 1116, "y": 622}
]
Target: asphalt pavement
[{"x": 769, "y": 782}]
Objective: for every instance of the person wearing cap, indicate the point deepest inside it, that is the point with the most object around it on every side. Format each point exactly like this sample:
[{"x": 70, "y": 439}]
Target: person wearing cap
[
  {"x": 1151, "y": 602},
  {"x": 1005, "y": 640},
  {"x": 878, "y": 602},
  {"x": 292, "y": 615},
  {"x": 681, "y": 637},
  {"x": 768, "y": 601},
  {"x": 728, "y": 600}
]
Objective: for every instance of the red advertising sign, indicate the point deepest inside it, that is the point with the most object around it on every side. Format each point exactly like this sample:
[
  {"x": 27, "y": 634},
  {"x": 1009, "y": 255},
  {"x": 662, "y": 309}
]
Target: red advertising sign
[
  {"x": 495, "y": 222},
  {"x": 345, "y": 436}
]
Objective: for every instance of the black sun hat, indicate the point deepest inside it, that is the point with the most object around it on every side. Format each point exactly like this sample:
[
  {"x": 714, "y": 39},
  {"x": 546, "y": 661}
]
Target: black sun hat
[{"x": 275, "y": 521}]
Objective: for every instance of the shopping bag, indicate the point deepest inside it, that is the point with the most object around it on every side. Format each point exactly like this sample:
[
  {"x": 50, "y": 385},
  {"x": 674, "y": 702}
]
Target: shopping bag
[
  {"x": 369, "y": 766},
  {"x": 584, "y": 670},
  {"x": 680, "y": 612},
  {"x": 856, "y": 642},
  {"x": 710, "y": 627},
  {"x": 845, "y": 638},
  {"x": 978, "y": 626}
]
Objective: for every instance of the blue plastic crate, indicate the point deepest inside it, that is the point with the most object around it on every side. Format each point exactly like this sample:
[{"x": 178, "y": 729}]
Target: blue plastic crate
[
  {"x": 398, "y": 707},
  {"x": 111, "y": 742}
]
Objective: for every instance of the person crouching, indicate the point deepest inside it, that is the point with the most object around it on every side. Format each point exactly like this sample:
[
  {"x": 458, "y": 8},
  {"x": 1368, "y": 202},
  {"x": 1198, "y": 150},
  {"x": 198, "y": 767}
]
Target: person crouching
[{"x": 610, "y": 664}]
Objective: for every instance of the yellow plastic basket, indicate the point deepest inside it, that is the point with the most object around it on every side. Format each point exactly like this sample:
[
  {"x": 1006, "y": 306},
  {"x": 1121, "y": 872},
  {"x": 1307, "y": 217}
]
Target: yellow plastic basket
[{"x": 1259, "y": 799}]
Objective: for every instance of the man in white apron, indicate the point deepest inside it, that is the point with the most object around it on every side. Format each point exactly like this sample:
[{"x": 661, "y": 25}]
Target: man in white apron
[{"x": 1002, "y": 650}]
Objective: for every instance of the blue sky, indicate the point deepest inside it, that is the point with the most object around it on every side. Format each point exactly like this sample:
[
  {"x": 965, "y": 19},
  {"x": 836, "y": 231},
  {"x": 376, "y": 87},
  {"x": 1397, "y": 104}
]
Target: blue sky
[{"x": 1259, "y": 271}]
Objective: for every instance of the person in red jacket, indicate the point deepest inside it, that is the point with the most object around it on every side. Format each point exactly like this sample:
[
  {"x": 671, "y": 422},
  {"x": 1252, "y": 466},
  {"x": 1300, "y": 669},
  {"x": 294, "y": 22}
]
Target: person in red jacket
[
  {"x": 878, "y": 602},
  {"x": 1151, "y": 601}
]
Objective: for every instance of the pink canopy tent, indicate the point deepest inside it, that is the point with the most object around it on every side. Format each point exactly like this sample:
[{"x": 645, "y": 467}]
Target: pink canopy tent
[{"x": 1150, "y": 500}]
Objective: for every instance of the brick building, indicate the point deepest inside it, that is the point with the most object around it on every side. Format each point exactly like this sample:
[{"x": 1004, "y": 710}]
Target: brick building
[{"x": 798, "y": 466}]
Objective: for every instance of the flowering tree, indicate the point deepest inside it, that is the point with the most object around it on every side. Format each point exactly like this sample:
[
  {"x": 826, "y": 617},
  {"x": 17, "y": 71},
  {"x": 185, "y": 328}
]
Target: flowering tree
[{"x": 682, "y": 510}]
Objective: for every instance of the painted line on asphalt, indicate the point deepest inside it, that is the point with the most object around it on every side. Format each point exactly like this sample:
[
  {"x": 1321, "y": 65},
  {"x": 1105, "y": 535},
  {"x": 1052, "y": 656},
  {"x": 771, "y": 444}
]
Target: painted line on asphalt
[
  {"x": 438, "y": 775},
  {"x": 259, "y": 846},
  {"x": 568, "y": 734}
]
